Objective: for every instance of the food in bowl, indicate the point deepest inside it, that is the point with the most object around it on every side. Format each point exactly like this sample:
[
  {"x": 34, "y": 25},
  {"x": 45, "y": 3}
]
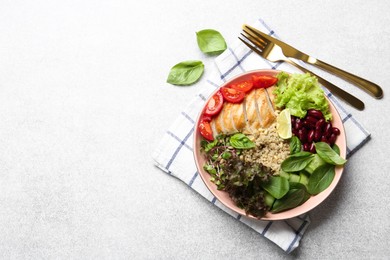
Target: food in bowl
[{"x": 268, "y": 144}]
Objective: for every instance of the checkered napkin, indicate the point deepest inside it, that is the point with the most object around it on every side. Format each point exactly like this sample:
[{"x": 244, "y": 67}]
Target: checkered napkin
[{"x": 174, "y": 154}]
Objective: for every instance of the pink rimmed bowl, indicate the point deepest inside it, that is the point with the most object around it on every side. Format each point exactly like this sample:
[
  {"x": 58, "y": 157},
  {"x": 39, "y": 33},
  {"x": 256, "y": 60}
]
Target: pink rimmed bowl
[{"x": 223, "y": 196}]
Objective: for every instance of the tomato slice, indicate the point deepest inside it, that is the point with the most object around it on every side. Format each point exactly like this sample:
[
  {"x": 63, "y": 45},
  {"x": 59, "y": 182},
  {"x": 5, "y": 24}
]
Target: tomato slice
[
  {"x": 232, "y": 95},
  {"x": 263, "y": 81},
  {"x": 205, "y": 129},
  {"x": 244, "y": 86},
  {"x": 214, "y": 105}
]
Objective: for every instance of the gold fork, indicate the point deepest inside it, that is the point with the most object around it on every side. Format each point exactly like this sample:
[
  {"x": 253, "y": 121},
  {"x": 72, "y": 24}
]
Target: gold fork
[{"x": 274, "y": 53}]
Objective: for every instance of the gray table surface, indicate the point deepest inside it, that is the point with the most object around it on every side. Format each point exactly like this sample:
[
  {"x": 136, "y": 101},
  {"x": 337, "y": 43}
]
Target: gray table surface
[{"x": 84, "y": 101}]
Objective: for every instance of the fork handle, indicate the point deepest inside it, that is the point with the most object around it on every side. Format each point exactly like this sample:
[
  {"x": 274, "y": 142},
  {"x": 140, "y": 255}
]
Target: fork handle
[
  {"x": 368, "y": 86},
  {"x": 354, "y": 101}
]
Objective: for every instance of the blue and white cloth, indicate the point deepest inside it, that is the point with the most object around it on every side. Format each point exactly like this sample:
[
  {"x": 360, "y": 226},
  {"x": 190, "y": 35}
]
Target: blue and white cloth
[{"x": 174, "y": 154}]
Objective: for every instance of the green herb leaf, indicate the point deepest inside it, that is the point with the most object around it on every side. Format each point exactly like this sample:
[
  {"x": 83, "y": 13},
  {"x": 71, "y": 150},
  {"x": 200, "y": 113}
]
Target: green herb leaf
[
  {"x": 210, "y": 41},
  {"x": 314, "y": 164},
  {"x": 292, "y": 199},
  {"x": 185, "y": 73},
  {"x": 207, "y": 146},
  {"x": 321, "y": 178},
  {"x": 336, "y": 149},
  {"x": 226, "y": 155},
  {"x": 295, "y": 145},
  {"x": 241, "y": 141},
  {"x": 277, "y": 186},
  {"x": 296, "y": 162},
  {"x": 328, "y": 154},
  {"x": 298, "y": 185}
]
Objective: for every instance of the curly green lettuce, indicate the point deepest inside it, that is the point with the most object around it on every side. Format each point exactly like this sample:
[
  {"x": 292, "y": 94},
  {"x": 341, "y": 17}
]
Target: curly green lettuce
[{"x": 300, "y": 92}]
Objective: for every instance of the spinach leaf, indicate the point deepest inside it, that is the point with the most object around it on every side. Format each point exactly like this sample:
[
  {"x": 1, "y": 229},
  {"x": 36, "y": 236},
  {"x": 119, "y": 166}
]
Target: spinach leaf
[
  {"x": 210, "y": 41},
  {"x": 291, "y": 200},
  {"x": 295, "y": 145},
  {"x": 185, "y": 73},
  {"x": 298, "y": 185},
  {"x": 297, "y": 162},
  {"x": 328, "y": 154},
  {"x": 301, "y": 154},
  {"x": 241, "y": 141},
  {"x": 321, "y": 178},
  {"x": 277, "y": 186}
]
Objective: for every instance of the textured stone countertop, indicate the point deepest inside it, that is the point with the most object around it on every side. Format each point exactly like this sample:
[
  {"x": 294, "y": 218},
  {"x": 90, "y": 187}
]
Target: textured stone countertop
[{"x": 84, "y": 101}]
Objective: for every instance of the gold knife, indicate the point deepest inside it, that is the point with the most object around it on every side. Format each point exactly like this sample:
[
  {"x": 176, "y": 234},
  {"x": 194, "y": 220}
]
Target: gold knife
[{"x": 291, "y": 52}]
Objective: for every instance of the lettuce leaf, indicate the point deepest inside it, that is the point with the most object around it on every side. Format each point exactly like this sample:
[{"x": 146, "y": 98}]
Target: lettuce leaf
[{"x": 300, "y": 92}]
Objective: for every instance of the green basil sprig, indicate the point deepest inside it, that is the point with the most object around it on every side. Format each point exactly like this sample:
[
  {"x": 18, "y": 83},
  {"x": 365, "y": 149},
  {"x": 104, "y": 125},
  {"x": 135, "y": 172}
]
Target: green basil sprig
[
  {"x": 328, "y": 154},
  {"x": 186, "y": 73},
  {"x": 210, "y": 41},
  {"x": 241, "y": 141}
]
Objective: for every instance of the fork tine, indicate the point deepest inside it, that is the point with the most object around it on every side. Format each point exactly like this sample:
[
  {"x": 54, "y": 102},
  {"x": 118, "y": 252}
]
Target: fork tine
[
  {"x": 253, "y": 48},
  {"x": 255, "y": 32},
  {"x": 255, "y": 41}
]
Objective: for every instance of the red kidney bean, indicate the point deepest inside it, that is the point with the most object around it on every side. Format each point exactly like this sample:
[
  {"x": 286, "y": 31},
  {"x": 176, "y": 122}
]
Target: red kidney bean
[
  {"x": 302, "y": 135},
  {"x": 317, "y": 134},
  {"x": 320, "y": 123},
  {"x": 332, "y": 139},
  {"x": 308, "y": 124},
  {"x": 310, "y": 136},
  {"x": 293, "y": 118},
  {"x": 335, "y": 131},
  {"x": 312, "y": 148},
  {"x": 323, "y": 139},
  {"x": 306, "y": 147},
  {"x": 327, "y": 129},
  {"x": 315, "y": 113},
  {"x": 311, "y": 119},
  {"x": 298, "y": 123}
]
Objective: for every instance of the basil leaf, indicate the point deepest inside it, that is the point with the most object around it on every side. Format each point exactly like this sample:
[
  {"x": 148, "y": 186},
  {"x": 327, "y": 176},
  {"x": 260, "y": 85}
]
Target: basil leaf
[
  {"x": 185, "y": 73},
  {"x": 210, "y": 41},
  {"x": 277, "y": 186},
  {"x": 292, "y": 199},
  {"x": 241, "y": 141},
  {"x": 295, "y": 145},
  {"x": 328, "y": 154},
  {"x": 321, "y": 178},
  {"x": 297, "y": 162},
  {"x": 336, "y": 149}
]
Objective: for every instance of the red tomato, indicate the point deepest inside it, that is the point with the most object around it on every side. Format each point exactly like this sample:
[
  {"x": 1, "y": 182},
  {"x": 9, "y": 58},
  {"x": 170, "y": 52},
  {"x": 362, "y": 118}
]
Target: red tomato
[
  {"x": 263, "y": 81},
  {"x": 244, "y": 86},
  {"x": 232, "y": 95},
  {"x": 214, "y": 105},
  {"x": 205, "y": 129}
]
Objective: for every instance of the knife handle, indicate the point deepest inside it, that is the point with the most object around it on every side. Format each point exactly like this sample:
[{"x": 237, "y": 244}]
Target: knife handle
[
  {"x": 354, "y": 101},
  {"x": 368, "y": 86}
]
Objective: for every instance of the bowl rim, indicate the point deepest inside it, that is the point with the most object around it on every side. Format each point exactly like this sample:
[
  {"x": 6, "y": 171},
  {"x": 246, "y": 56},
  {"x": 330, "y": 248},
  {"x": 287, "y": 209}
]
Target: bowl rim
[{"x": 310, "y": 204}]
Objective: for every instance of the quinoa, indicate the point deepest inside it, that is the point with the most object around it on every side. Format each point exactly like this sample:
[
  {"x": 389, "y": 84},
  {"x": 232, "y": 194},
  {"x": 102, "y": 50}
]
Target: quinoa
[{"x": 270, "y": 150}]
